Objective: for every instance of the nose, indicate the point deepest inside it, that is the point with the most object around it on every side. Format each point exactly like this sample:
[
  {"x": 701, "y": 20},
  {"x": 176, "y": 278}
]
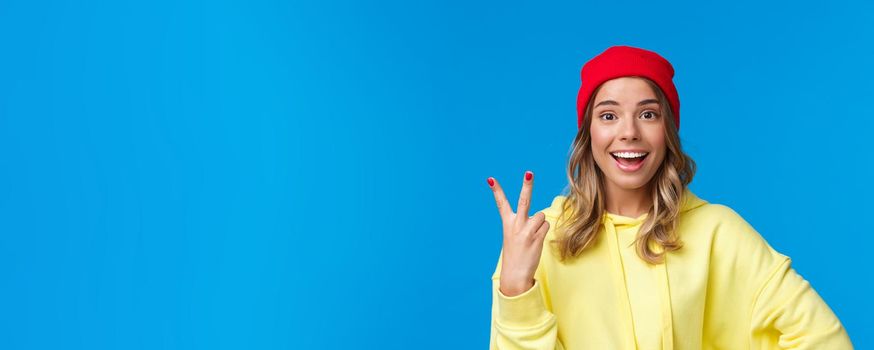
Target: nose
[{"x": 629, "y": 130}]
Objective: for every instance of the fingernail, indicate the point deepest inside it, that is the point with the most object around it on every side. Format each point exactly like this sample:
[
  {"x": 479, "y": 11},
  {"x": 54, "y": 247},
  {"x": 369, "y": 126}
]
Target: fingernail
[
  {"x": 528, "y": 175},
  {"x": 491, "y": 182}
]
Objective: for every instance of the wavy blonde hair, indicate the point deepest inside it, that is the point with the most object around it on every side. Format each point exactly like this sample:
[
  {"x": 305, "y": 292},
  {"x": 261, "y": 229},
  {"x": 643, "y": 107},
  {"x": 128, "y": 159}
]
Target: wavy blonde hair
[{"x": 585, "y": 192}]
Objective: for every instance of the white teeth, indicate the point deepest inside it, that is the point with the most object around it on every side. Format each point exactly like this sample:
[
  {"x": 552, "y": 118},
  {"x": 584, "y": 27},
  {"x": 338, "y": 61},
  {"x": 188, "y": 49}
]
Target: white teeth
[{"x": 629, "y": 154}]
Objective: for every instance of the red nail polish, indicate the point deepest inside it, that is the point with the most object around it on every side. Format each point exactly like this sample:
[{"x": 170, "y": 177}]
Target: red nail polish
[
  {"x": 491, "y": 182},
  {"x": 528, "y": 175}
]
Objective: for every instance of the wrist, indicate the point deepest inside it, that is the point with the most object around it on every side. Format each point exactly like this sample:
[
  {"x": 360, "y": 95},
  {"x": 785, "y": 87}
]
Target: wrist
[{"x": 514, "y": 288}]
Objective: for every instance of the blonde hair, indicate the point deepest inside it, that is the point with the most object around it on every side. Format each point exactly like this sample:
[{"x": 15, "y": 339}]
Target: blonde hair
[{"x": 585, "y": 193}]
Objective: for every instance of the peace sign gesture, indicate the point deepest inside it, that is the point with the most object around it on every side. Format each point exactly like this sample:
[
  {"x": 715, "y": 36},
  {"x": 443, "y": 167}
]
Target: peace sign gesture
[{"x": 523, "y": 238}]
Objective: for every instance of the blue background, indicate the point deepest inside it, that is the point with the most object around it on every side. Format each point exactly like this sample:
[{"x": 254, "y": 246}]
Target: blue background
[{"x": 293, "y": 175}]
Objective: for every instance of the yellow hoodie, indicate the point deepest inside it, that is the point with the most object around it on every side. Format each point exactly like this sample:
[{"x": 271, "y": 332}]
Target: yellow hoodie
[{"x": 725, "y": 289}]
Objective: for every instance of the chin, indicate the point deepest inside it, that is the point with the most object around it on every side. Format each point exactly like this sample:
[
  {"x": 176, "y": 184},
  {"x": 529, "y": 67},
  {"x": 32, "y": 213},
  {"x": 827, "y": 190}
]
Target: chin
[{"x": 630, "y": 184}]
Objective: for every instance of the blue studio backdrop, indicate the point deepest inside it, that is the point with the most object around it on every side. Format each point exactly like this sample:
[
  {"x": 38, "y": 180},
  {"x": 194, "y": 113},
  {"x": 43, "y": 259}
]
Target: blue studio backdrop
[{"x": 312, "y": 174}]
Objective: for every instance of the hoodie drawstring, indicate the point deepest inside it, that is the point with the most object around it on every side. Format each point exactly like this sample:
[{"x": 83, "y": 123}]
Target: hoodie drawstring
[
  {"x": 661, "y": 278},
  {"x": 619, "y": 270},
  {"x": 667, "y": 319}
]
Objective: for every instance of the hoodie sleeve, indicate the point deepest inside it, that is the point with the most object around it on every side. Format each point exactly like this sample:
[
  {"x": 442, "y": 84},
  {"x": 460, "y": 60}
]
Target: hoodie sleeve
[
  {"x": 789, "y": 314},
  {"x": 522, "y": 321},
  {"x": 757, "y": 295},
  {"x": 526, "y": 321}
]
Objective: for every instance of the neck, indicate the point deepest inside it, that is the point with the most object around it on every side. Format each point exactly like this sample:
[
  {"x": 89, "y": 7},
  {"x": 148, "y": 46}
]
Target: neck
[{"x": 631, "y": 203}]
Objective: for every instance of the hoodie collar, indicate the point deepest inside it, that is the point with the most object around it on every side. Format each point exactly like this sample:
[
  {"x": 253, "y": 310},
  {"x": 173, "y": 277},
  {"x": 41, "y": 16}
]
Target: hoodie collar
[
  {"x": 620, "y": 220},
  {"x": 688, "y": 202}
]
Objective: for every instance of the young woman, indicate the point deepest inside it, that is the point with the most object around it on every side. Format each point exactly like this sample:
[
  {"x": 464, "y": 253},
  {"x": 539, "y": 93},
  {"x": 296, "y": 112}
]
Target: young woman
[{"x": 636, "y": 260}]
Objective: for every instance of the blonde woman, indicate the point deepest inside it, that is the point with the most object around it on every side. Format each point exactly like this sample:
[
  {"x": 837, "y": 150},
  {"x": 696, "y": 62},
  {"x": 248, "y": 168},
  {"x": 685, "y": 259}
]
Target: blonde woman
[{"x": 629, "y": 257}]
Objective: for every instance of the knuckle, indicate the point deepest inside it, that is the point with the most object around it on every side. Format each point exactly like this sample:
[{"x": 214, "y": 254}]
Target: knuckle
[
  {"x": 501, "y": 204},
  {"x": 532, "y": 236}
]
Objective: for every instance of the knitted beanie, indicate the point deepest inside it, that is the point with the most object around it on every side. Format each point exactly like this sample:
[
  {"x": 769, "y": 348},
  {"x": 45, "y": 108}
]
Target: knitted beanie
[{"x": 621, "y": 61}]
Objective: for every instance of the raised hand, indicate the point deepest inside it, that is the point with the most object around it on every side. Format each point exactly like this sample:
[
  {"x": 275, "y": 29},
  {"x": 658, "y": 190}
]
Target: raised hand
[{"x": 523, "y": 238}]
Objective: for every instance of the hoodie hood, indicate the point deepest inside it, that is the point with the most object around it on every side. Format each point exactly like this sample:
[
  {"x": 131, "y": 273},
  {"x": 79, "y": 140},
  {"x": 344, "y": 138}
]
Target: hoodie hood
[{"x": 690, "y": 201}]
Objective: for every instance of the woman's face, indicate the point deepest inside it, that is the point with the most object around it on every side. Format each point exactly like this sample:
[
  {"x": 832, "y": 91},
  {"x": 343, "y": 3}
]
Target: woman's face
[{"x": 626, "y": 117}]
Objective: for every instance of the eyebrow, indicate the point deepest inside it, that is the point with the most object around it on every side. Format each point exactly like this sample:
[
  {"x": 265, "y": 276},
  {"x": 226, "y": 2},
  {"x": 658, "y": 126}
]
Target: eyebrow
[{"x": 641, "y": 103}]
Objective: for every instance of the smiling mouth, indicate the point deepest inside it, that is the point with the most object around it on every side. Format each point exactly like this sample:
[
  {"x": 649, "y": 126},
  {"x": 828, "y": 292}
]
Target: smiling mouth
[{"x": 630, "y": 162}]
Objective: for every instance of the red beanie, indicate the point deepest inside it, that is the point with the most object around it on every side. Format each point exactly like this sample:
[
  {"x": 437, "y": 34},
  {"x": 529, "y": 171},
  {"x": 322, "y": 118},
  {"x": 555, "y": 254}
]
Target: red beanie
[{"x": 621, "y": 61}]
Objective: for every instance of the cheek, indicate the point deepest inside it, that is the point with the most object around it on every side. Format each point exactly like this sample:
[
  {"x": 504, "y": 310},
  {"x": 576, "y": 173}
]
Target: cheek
[
  {"x": 599, "y": 149},
  {"x": 600, "y": 140},
  {"x": 656, "y": 137},
  {"x": 658, "y": 142}
]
